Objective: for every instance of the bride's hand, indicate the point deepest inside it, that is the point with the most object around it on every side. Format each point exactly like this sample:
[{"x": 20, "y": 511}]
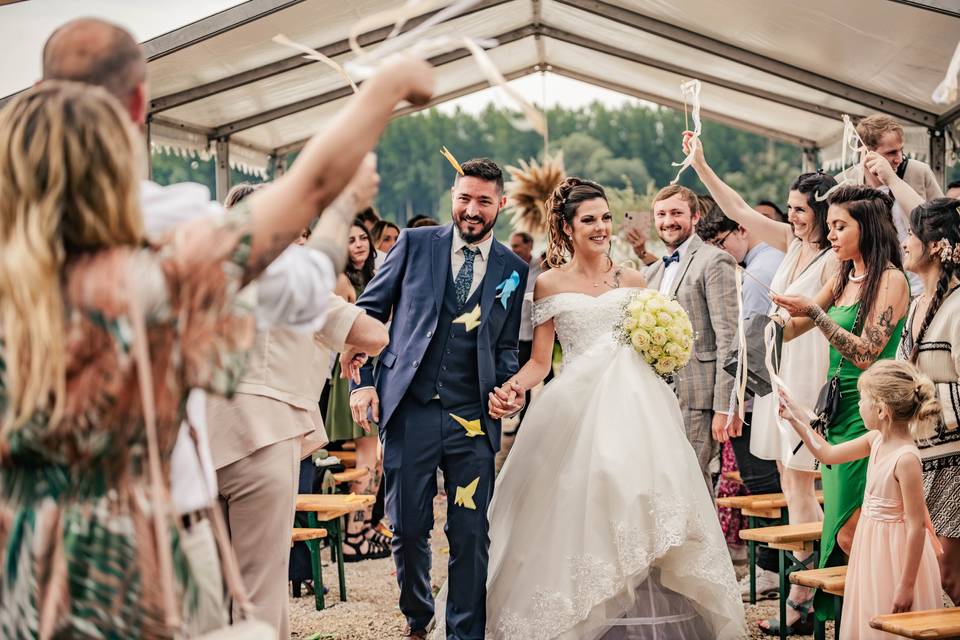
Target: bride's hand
[{"x": 505, "y": 401}]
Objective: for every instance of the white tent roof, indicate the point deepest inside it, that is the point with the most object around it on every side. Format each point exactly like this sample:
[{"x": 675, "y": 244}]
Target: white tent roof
[{"x": 776, "y": 67}]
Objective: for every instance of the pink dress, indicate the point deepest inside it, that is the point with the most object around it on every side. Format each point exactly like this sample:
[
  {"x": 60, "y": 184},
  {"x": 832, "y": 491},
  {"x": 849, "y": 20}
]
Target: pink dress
[{"x": 878, "y": 553}]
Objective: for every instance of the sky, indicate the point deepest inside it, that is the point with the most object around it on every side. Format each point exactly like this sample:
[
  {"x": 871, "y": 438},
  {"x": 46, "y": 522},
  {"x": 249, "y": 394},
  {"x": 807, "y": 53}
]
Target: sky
[{"x": 24, "y": 26}]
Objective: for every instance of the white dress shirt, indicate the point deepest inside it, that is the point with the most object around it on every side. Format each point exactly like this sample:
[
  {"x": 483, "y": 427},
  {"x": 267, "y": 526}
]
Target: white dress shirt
[
  {"x": 293, "y": 292},
  {"x": 672, "y": 269},
  {"x": 479, "y": 261}
]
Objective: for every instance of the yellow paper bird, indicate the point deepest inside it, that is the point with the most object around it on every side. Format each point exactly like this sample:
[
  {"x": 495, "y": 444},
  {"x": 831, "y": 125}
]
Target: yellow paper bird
[
  {"x": 449, "y": 156},
  {"x": 472, "y": 426},
  {"x": 470, "y": 320},
  {"x": 464, "y": 496}
]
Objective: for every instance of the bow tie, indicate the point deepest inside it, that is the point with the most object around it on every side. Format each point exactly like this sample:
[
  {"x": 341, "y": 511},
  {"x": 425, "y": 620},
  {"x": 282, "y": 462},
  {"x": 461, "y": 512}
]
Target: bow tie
[{"x": 673, "y": 257}]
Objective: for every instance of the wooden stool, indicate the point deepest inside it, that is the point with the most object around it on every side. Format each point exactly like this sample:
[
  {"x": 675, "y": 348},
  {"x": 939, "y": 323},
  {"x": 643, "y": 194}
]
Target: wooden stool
[
  {"x": 788, "y": 539},
  {"x": 351, "y": 475},
  {"x": 829, "y": 580},
  {"x": 312, "y": 539},
  {"x": 327, "y": 509},
  {"x": 935, "y": 623},
  {"x": 347, "y": 458}
]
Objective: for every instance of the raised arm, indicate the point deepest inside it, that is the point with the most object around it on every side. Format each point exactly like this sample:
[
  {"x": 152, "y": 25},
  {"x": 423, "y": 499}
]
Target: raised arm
[
  {"x": 280, "y": 211},
  {"x": 903, "y": 193},
  {"x": 821, "y": 449},
  {"x": 776, "y": 234}
]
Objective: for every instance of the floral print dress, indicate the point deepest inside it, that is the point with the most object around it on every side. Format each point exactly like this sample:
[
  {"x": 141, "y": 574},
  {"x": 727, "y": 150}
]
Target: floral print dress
[{"x": 79, "y": 557}]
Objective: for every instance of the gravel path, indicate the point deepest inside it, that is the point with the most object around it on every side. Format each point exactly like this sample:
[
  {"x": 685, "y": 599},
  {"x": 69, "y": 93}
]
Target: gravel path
[{"x": 372, "y": 614}]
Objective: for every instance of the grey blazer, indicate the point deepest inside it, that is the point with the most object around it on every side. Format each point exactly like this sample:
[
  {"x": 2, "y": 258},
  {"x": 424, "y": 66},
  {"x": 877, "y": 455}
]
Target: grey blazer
[{"x": 706, "y": 288}]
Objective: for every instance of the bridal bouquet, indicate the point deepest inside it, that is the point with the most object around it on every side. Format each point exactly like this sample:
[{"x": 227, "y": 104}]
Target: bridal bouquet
[{"x": 659, "y": 329}]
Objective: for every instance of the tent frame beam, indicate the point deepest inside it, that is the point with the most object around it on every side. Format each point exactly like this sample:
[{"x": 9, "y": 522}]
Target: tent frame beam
[
  {"x": 213, "y": 25},
  {"x": 293, "y": 147},
  {"x": 874, "y": 101},
  {"x": 937, "y": 6},
  {"x": 291, "y": 63},
  {"x": 678, "y": 106},
  {"x": 663, "y": 65},
  {"x": 342, "y": 92}
]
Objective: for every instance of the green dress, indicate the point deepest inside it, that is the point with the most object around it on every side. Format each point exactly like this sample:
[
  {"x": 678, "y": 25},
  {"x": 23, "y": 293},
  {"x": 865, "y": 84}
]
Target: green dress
[
  {"x": 339, "y": 421},
  {"x": 844, "y": 484}
]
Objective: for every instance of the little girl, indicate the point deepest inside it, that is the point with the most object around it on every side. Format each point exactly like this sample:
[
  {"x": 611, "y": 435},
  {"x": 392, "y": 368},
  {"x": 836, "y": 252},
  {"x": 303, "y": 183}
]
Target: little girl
[{"x": 893, "y": 562}]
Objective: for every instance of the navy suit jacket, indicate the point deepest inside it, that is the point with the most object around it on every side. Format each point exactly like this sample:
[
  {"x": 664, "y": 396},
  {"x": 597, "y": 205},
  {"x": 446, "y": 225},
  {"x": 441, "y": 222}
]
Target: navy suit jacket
[{"x": 408, "y": 291}]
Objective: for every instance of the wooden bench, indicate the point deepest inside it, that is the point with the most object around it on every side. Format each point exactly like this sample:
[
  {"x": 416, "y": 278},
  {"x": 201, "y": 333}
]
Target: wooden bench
[
  {"x": 763, "y": 505},
  {"x": 829, "y": 579},
  {"x": 787, "y": 539},
  {"x": 311, "y": 537},
  {"x": 347, "y": 458},
  {"x": 351, "y": 475},
  {"x": 325, "y": 510},
  {"x": 935, "y": 623},
  {"x": 303, "y": 534}
]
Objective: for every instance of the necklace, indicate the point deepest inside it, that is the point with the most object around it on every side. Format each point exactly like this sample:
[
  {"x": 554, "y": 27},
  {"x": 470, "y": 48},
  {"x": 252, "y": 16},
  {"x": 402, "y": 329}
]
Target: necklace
[
  {"x": 616, "y": 281},
  {"x": 856, "y": 279}
]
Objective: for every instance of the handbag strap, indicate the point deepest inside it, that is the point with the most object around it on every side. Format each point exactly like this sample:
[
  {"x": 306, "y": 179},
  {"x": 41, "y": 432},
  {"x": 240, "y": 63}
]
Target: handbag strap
[{"x": 160, "y": 504}]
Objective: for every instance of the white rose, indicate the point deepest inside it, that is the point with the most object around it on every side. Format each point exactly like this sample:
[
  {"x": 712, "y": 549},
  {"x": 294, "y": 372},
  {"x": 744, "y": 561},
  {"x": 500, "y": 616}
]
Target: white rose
[
  {"x": 676, "y": 334},
  {"x": 664, "y": 319},
  {"x": 658, "y": 336},
  {"x": 654, "y": 352},
  {"x": 666, "y": 365},
  {"x": 646, "y": 320},
  {"x": 655, "y": 304},
  {"x": 630, "y": 323},
  {"x": 640, "y": 339},
  {"x": 673, "y": 349},
  {"x": 674, "y": 307}
]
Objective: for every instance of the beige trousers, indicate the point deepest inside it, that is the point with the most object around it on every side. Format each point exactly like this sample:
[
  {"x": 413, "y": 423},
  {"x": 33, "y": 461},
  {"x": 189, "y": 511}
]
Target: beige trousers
[{"x": 258, "y": 495}]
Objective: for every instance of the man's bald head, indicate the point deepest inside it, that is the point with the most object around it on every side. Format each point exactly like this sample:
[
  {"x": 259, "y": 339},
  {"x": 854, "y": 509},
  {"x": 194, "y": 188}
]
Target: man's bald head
[{"x": 101, "y": 53}]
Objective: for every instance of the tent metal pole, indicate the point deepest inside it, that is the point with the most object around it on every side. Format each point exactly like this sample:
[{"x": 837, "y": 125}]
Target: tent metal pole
[
  {"x": 938, "y": 154},
  {"x": 811, "y": 159},
  {"x": 146, "y": 135},
  {"x": 222, "y": 175}
]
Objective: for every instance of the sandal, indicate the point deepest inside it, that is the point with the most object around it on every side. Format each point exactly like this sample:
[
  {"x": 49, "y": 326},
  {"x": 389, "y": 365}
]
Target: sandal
[
  {"x": 375, "y": 551},
  {"x": 378, "y": 535},
  {"x": 802, "y": 626}
]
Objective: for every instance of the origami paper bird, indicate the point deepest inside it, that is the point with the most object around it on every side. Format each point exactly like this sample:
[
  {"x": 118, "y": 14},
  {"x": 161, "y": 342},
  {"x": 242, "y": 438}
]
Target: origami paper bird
[
  {"x": 472, "y": 426},
  {"x": 464, "y": 496},
  {"x": 452, "y": 160},
  {"x": 470, "y": 320},
  {"x": 507, "y": 287}
]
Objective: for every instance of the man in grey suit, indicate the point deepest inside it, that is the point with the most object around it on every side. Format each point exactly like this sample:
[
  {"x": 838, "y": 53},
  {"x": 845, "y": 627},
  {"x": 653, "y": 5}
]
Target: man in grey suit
[{"x": 702, "y": 279}]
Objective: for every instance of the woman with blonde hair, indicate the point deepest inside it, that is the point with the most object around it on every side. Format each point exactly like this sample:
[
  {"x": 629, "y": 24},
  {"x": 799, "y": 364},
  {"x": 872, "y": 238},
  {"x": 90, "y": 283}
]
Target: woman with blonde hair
[{"x": 81, "y": 533}]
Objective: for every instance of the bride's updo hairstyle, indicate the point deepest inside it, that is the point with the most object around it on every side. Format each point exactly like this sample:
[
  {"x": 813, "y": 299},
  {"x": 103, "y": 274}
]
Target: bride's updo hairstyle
[{"x": 562, "y": 206}]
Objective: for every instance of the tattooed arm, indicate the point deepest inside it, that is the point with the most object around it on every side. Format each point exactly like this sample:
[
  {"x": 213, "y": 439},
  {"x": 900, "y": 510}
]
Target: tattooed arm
[
  {"x": 881, "y": 321},
  {"x": 799, "y": 324}
]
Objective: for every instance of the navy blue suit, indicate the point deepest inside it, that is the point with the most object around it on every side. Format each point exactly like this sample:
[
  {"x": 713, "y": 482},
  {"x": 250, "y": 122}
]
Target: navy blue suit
[{"x": 432, "y": 370}]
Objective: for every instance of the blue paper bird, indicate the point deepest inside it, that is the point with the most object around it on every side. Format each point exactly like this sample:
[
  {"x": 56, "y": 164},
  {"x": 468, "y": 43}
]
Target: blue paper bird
[{"x": 507, "y": 287}]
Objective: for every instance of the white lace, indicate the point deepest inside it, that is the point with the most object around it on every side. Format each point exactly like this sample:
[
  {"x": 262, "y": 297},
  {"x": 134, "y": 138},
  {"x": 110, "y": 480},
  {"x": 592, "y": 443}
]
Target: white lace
[
  {"x": 677, "y": 524},
  {"x": 582, "y": 321}
]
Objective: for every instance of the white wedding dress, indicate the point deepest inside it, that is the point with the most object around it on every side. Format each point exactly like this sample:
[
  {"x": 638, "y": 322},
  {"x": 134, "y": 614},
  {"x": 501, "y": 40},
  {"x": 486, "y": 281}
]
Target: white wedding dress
[{"x": 600, "y": 524}]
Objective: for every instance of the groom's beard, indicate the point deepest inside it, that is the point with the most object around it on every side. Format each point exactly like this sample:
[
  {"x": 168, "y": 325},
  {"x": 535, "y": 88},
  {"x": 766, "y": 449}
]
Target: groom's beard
[{"x": 474, "y": 238}]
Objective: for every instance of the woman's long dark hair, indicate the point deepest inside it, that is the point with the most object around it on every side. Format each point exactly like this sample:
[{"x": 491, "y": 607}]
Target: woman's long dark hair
[
  {"x": 815, "y": 185},
  {"x": 561, "y": 208},
  {"x": 359, "y": 278},
  {"x": 933, "y": 222},
  {"x": 873, "y": 211}
]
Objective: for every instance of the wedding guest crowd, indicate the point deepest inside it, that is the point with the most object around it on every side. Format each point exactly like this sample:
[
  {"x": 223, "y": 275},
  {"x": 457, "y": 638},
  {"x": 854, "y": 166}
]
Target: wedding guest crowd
[{"x": 157, "y": 343}]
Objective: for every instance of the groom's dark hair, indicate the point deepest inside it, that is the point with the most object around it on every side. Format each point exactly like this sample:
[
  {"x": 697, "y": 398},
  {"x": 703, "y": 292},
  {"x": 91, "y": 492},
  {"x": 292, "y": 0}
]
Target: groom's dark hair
[{"x": 485, "y": 169}]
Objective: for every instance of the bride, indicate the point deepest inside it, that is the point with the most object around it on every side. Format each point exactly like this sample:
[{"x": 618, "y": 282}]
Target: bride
[{"x": 600, "y": 525}]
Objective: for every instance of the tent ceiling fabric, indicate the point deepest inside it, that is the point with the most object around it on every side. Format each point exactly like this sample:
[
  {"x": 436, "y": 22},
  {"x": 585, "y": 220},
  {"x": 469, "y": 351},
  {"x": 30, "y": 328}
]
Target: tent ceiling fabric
[{"x": 776, "y": 67}]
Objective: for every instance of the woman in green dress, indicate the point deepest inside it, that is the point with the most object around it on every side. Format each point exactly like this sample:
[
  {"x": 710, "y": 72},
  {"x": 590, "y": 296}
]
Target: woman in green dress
[
  {"x": 362, "y": 541},
  {"x": 865, "y": 308}
]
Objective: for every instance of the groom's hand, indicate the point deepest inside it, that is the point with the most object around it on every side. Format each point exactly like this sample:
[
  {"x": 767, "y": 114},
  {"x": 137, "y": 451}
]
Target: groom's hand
[
  {"x": 506, "y": 401},
  {"x": 365, "y": 403}
]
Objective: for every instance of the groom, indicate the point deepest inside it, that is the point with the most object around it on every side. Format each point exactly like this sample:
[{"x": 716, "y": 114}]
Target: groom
[{"x": 453, "y": 295}]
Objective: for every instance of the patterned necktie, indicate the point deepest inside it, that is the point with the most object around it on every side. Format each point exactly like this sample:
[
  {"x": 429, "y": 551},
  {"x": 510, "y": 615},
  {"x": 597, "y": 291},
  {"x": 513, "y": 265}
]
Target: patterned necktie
[
  {"x": 465, "y": 278},
  {"x": 673, "y": 257}
]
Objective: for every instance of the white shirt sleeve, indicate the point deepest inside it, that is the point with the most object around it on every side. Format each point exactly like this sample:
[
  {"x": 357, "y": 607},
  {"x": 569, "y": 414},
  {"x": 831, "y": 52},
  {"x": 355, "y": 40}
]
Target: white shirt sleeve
[{"x": 294, "y": 290}]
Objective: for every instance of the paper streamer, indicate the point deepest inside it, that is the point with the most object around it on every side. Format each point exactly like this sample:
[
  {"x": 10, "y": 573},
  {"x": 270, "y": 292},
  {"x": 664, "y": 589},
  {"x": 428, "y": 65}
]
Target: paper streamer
[
  {"x": 451, "y": 159},
  {"x": 739, "y": 392},
  {"x": 690, "y": 91},
  {"x": 946, "y": 91},
  {"x": 313, "y": 54},
  {"x": 849, "y": 142},
  {"x": 416, "y": 43}
]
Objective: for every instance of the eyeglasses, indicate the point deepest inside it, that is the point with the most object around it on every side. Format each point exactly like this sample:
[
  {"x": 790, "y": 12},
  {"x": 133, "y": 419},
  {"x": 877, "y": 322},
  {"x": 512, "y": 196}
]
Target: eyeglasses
[{"x": 719, "y": 242}]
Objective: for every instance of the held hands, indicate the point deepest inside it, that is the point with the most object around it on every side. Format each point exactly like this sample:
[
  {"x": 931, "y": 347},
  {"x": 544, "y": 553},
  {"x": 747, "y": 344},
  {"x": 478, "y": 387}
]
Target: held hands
[
  {"x": 506, "y": 401},
  {"x": 364, "y": 406},
  {"x": 719, "y": 427},
  {"x": 350, "y": 363}
]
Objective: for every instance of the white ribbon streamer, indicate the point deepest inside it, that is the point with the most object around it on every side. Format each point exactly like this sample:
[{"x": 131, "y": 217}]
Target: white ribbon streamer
[
  {"x": 851, "y": 142},
  {"x": 690, "y": 91},
  {"x": 946, "y": 91},
  {"x": 739, "y": 392},
  {"x": 313, "y": 54}
]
